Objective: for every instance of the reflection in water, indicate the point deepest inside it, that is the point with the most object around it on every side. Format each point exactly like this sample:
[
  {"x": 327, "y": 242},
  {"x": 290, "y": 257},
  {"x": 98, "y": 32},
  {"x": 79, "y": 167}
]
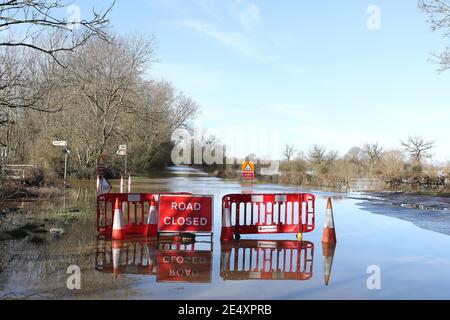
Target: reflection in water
[
  {"x": 328, "y": 250},
  {"x": 183, "y": 262},
  {"x": 267, "y": 260},
  {"x": 191, "y": 262}
]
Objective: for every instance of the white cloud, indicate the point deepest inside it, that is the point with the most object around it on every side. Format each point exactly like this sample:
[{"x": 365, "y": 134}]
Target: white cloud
[
  {"x": 248, "y": 14},
  {"x": 237, "y": 41}
]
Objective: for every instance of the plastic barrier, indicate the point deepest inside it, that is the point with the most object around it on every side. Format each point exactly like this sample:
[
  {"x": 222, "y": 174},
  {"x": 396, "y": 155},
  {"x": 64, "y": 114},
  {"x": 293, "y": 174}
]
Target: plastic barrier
[
  {"x": 170, "y": 262},
  {"x": 267, "y": 260},
  {"x": 267, "y": 214},
  {"x": 139, "y": 213},
  {"x": 126, "y": 257},
  {"x": 184, "y": 263}
]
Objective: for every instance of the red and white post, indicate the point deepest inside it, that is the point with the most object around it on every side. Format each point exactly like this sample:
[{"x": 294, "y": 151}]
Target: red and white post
[
  {"x": 129, "y": 183},
  {"x": 227, "y": 229},
  {"x": 152, "y": 221},
  {"x": 122, "y": 185}
]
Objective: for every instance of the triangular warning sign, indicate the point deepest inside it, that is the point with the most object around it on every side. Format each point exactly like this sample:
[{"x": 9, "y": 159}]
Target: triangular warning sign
[{"x": 248, "y": 167}]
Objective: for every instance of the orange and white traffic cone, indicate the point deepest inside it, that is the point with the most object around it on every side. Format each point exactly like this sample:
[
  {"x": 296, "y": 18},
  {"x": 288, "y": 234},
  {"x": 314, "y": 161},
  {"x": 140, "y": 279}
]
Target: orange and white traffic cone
[
  {"x": 152, "y": 250},
  {"x": 122, "y": 185},
  {"x": 328, "y": 250},
  {"x": 329, "y": 233},
  {"x": 225, "y": 258},
  {"x": 227, "y": 229},
  {"x": 129, "y": 183},
  {"x": 152, "y": 221},
  {"x": 117, "y": 247},
  {"x": 118, "y": 231}
]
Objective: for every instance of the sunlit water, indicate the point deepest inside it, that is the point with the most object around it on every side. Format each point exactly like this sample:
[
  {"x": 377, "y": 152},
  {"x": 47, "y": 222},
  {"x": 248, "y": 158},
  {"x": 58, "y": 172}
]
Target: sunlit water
[{"x": 414, "y": 262}]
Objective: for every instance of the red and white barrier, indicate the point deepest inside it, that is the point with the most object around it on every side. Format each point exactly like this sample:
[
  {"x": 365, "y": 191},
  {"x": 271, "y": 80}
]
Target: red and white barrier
[
  {"x": 267, "y": 260},
  {"x": 139, "y": 213},
  {"x": 136, "y": 256},
  {"x": 169, "y": 262},
  {"x": 267, "y": 214}
]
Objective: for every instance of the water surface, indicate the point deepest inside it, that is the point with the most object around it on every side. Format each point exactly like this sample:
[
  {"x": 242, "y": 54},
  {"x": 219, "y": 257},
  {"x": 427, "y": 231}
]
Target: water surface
[{"x": 414, "y": 261}]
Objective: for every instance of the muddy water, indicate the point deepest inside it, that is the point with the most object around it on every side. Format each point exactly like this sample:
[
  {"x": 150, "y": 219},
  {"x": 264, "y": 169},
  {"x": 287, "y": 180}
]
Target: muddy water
[{"x": 413, "y": 262}]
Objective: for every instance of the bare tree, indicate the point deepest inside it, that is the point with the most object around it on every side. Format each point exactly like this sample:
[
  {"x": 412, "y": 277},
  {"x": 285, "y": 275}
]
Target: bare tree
[
  {"x": 393, "y": 163},
  {"x": 102, "y": 79},
  {"x": 288, "y": 152},
  {"x": 317, "y": 154},
  {"x": 27, "y": 21},
  {"x": 439, "y": 18},
  {"x": 332, "y": 155},
  {"x": 30, "y": 32},
  {"x": 373, "y": 152},
  {"x": 417, "y": 147},
  {"x": 354, "y": 155}
]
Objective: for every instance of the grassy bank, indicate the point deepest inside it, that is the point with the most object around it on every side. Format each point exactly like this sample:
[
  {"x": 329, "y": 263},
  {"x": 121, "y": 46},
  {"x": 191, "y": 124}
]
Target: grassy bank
[
  {"x": 414, "y": 184},
  {"x": 36, "y": 225},
  {"x": 17, "y": 191}
]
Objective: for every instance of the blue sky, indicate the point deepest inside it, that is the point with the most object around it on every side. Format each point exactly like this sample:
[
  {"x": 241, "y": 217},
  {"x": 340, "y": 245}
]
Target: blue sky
[{"x": 311, "y": 72}]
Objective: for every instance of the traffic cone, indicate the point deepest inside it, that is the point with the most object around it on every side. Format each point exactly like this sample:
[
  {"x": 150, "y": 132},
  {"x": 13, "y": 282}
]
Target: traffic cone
[
  {"x": 152, "y": 251},
  {"x": 118, "y": 232},
  {"x": 329, "y": 233},
  {"x": 227, "y": 229},
  {"x": 122, "y": 185},
  {"x": 117, "y": 247},
  {"x": 152, "y": 222},
  {"x": 225, "y": 258},
  {"x": 129, "y": 183},
  {"x": 328, "y": 250}
]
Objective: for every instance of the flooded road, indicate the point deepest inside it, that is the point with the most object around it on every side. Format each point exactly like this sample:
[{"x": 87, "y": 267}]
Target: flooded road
[{"x": 414, "y": 262}]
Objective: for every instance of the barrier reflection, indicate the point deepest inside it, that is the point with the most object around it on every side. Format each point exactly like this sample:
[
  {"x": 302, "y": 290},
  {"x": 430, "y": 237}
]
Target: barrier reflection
[
  {"x": 168, "y": 260},
  {"x": 267, "y": 260}
]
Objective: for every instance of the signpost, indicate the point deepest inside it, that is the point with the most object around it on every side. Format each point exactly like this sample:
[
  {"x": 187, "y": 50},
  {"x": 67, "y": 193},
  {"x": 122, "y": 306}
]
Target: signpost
[
  {"x": 63, "y": 143},
  {"x": 105, "y": 187},
  {"x": 248, "y": 170},
  {"x": 186, "y": 214},
  {"x": 101, "y": 168},
  {"x": 122, "y": 151}
]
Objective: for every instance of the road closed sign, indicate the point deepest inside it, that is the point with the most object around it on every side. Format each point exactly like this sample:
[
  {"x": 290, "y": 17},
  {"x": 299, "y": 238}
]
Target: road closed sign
[
  {"x": 184, "y": 266},
  {"x": 185, "y": 213}
]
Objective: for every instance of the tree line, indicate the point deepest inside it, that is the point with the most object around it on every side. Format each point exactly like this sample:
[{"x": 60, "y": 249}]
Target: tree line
[
  {"x": 371, "y": 161},
  {"x": 78, "y": 81}
]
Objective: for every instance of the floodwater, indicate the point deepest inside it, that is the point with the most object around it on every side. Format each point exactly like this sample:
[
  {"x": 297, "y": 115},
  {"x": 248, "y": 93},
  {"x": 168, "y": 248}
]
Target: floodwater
[{"x": 379, "y": 255}]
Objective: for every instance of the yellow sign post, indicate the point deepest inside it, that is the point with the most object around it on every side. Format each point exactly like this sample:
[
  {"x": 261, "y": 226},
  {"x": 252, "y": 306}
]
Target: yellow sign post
[{"x": 248, "y": 170}]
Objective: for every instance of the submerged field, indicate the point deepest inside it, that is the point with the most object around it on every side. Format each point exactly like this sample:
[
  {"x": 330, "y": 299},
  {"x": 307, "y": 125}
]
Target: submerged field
[{"x": 41, "y": 239}]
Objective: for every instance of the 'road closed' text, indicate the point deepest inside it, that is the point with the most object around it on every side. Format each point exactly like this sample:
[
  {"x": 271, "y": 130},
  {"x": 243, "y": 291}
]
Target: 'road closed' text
[{"x": 188, "y": 221}]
